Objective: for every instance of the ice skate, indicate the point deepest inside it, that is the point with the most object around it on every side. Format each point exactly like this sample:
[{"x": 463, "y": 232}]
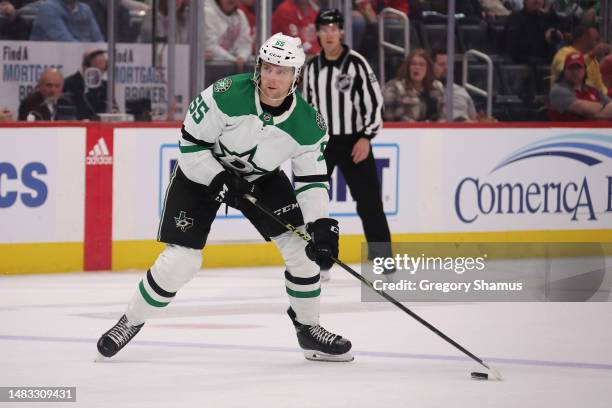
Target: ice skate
[
  {"x": 117, "y": 337},
  {"x": 319, "y": 344}
]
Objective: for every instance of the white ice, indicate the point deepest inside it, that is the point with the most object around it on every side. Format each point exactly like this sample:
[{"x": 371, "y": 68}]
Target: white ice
[{"x": 226, "y": 342}]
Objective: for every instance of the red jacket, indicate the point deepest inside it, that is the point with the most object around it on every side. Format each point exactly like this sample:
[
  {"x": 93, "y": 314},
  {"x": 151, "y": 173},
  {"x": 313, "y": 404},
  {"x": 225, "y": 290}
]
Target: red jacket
[{"x": 289, "y": 19}]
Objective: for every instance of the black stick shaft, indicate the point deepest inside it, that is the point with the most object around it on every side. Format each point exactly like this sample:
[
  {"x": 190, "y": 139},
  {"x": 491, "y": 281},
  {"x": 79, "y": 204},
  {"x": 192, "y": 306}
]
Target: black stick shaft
[{"x": 369, "y": 284}]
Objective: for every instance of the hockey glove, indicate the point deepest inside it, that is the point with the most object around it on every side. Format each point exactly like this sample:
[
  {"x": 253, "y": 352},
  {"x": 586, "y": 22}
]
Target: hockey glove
[
  {"x": 230, "y": 188},
  {"x": 323, "y": 244}
]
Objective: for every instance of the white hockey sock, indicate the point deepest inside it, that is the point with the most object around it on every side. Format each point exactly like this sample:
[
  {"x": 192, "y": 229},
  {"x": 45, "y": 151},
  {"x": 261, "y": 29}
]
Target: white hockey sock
[
  {"x": 174, "y": 267},
  {"x": 302, "y": 278}
]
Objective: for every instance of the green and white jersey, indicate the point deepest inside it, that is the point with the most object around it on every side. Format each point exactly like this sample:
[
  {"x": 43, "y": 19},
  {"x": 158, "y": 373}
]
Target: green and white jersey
[{"x": 227, "y": 128}]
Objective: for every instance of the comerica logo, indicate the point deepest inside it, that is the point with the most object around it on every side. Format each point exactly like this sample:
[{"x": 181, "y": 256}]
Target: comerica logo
[
  {"x": 100, "y": 154},
  {"x": 579, "y": 198}
]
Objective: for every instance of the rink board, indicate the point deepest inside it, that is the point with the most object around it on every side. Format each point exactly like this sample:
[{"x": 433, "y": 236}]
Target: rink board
[{"x": 479, "y": 184}]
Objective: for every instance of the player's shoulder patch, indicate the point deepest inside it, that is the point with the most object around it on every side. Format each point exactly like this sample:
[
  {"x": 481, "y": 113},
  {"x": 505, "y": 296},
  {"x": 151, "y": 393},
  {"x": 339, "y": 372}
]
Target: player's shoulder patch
[
  {"x": 222, "y": 85},
  {"x": 234, "y": 95}
]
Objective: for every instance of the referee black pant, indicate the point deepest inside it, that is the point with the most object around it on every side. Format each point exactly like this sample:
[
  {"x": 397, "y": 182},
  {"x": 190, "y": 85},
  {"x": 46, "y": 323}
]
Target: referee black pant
[{"x": 364, "y": 185}]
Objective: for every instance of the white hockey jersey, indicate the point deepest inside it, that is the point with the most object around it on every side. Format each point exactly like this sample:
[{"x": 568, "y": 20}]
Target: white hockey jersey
[{"x": 226, "y": 127}]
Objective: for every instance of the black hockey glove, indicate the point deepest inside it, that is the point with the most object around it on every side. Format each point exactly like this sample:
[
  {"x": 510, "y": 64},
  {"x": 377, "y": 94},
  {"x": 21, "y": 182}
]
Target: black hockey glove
[
  {"x": 230, "y": 188},
  {"x": 324, "y": 234}
]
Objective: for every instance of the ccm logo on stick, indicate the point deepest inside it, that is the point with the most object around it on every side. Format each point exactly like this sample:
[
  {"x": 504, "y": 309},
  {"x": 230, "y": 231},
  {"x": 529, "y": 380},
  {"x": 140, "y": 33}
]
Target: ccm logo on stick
[{"x": 35, "y": 192}]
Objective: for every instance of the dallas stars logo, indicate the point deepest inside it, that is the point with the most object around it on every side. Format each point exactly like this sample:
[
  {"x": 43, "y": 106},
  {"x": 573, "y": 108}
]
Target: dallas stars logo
[
  {"x": 222, "y": 85},
  {"x": 183, "y": 222},
  {"x": 243, "y": 163}
]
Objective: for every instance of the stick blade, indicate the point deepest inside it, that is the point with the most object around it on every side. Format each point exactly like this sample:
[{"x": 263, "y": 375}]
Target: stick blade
[{"x": 494, "y": 375}]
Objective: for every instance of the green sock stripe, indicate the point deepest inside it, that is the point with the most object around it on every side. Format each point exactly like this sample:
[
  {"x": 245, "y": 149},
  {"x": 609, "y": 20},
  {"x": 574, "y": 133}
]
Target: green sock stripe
[
  {"x": 309, "y": 186},
  {"x": 149, "y": 299},
  {"x": 298, "y": 294}
]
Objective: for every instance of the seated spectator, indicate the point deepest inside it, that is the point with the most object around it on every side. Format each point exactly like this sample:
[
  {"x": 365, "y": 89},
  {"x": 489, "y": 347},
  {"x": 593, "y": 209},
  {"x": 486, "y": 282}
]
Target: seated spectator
[
  {"x": 585, "y": 40},
  {"x": 494, "y": 8},
  {"x": 161, "y": 23},
  {"x": 571, "y": 99},
  {"x": 88, "y": 96},
  {"x": 124, "y": 32},
  {"x": 65, "y": 20},
  {"x": 532, "y": 35},
  {"x": 227, "y": 32},
  {"x": 47, "y": 103},
  {"x": 606, "y": 73},
  {"x": 463, "y": 105},
  {"x": 6, "y": 115},
  {"x": 297, "y": 19},
  {"x": 248, "y": 8},
  {"x": 8, "y": 17},
  {"x": 412, "y": 96}
]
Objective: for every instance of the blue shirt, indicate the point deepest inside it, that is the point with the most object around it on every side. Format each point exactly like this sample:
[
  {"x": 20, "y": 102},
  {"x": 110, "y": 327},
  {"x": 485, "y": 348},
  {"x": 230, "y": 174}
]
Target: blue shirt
[{"x": 55, "y": 22}]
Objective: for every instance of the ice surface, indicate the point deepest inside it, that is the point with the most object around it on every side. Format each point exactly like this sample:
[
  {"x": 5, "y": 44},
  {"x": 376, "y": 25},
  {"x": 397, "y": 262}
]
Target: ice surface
[{"x": 226, "y": 342}]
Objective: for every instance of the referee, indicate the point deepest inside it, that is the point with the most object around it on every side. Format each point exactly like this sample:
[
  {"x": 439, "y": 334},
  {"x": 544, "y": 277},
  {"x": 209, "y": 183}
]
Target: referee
[{"x": 341, "y": 85}]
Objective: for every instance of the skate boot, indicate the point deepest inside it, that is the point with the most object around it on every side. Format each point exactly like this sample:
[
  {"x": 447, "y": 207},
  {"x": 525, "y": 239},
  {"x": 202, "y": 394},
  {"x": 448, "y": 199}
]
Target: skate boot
[
  {"x": 319, "y": 344},
  {"x": 117, "y": 337}
]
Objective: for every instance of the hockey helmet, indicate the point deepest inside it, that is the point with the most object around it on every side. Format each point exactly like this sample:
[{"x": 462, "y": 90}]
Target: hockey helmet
[
  {"x": 329, "y": 16},
  {"x": 281, "y": 50}
]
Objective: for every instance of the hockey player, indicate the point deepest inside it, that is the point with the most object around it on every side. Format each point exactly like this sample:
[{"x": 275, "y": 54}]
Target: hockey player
[{"x": 234, "y": 138}]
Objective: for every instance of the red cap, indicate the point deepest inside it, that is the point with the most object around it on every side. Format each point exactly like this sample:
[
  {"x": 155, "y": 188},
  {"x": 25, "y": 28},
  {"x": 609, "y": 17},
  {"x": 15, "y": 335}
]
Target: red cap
[{"x": 574, "y": 58}]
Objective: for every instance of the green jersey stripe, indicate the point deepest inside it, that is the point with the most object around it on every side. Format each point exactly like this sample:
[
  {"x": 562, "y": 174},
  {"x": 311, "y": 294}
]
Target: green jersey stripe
[
  {"x": 309, "y": 186},
  {"x": 192, "y": 149}
]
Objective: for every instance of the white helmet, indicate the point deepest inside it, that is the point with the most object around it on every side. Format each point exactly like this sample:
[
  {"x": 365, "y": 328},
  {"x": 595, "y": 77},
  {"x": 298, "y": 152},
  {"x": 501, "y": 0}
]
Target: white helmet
[{"x": 281, "y": 50}]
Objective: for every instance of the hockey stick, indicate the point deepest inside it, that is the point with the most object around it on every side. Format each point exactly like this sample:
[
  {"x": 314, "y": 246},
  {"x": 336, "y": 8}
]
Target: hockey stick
[{"x": 494, "y": 373}]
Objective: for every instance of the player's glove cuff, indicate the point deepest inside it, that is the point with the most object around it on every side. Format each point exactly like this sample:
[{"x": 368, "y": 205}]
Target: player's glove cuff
[{"x": 324, "y": 234}]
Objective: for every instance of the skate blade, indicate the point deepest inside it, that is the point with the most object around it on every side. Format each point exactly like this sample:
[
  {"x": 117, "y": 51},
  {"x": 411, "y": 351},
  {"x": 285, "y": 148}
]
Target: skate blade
[
  {"x": 100, "y": 358},
  {"x": 314, "y": 355}
]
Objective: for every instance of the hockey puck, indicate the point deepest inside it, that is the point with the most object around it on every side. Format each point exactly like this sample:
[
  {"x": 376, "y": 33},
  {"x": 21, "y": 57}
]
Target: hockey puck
[{"x": 479, "y": 376}]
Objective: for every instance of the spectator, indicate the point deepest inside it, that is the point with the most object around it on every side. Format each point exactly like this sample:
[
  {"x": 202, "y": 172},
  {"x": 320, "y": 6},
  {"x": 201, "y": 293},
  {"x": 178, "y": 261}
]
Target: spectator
[
  {"x": 89, "y": 97},
  {"x": 606, "y": 73},
  {"x": 65, "y": 20},
  {"x": 181, "y": 35},
  {"x": 585, "y": 40},
  {"x": 463, "y": 105},
  {"x": 227, "y": 32},
  {"x": 123, "y": 27},
  {"x": 572, "y": 99},
  {"x": 532, "y": 34},
  {"x": 248, "y": 8},
  {"x": 297, "y": 19},
  {"x": 494, "y": 8},
  {"x": 6, "y": 115},
  {"x": 412, "y": 96},
  {"x": 46, "y": 102},
  {"x": 8, "y": 18}
]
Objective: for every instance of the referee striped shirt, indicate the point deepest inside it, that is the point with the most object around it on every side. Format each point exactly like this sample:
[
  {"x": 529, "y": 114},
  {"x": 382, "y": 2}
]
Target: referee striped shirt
[{"x": 346, "y": 93}]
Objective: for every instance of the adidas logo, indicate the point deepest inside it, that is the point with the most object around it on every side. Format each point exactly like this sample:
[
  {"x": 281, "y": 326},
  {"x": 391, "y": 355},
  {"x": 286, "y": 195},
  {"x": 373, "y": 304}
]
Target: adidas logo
[{"x": 99, "y": 154}]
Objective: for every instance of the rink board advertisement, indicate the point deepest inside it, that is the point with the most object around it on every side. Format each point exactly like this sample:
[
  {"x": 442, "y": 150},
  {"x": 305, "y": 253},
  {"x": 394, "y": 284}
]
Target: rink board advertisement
[
  {"x": 41, "y": 185},
  {"x": 24, "y": 61},
  {"x": 470, "y": 181},
  {"x": 101, "y": 187},
  {"x": 42, "y": 182}
]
